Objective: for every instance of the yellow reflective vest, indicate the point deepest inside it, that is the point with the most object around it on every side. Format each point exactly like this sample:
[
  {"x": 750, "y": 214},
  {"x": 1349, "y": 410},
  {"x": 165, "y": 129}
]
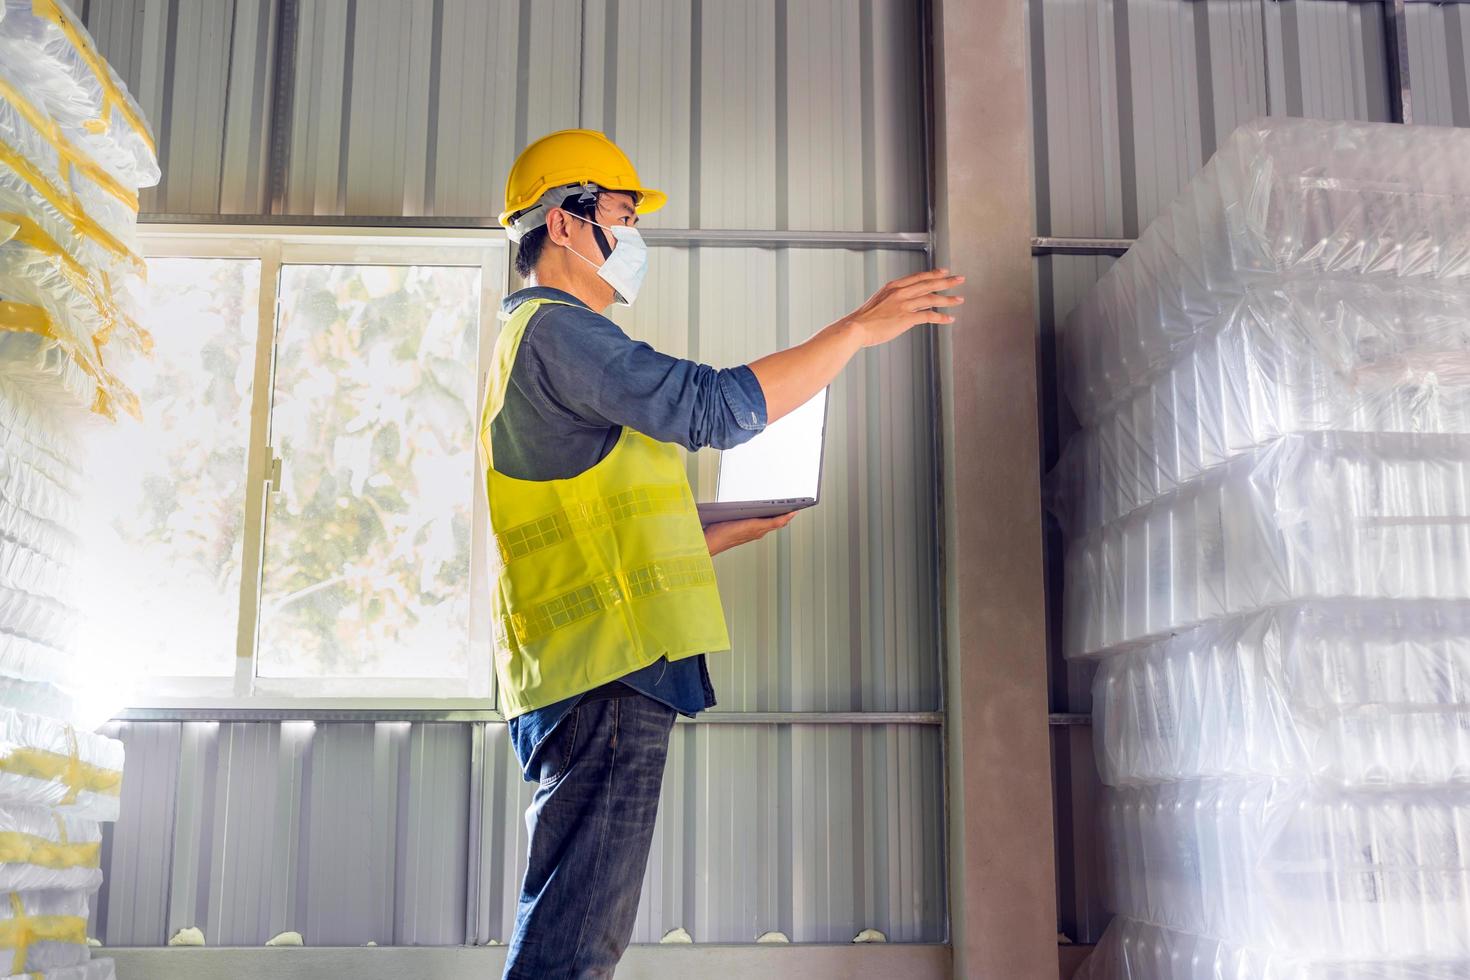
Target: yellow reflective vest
[{"x": 597, "y": 575}]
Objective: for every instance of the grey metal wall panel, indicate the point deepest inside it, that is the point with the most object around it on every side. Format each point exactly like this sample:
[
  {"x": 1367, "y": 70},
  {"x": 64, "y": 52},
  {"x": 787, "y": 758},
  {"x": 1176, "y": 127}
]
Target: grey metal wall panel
[
  {"x": 1327, "y": 59},
  {"x": 137, "y": 850},
  {"x": 835, "y": 613},
  {"x": 1130, "y": 97},
  {"x": 1439, "y": 37},
  {"x": 818, "y": 831},
  {"x": 769, "y": 114},
  {"x": 343, "y": 832},
  {"x": 201, "y": 71}
]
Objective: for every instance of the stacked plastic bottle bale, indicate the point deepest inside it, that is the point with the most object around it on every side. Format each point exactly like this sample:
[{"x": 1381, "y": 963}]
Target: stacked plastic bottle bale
[
  {"x": 1268, "y": 520},
  {"x": 74, "y": 151}
]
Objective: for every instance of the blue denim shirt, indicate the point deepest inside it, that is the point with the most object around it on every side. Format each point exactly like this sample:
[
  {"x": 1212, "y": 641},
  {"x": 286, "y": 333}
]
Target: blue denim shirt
[{"x": 576, "y": 381}]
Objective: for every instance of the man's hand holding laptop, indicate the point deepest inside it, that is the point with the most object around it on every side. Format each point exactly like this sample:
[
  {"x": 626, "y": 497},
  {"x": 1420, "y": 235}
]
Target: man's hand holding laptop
[{"x": 729, "y": 534}]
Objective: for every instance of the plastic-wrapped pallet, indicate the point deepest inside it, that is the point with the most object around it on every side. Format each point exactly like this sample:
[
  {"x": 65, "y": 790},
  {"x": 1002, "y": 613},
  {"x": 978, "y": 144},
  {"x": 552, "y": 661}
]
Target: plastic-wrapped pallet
[
  {"x": 1351, "y": 694},
  {"x": 91, "y": 970},
  {"x": 44, "y": 762},
  {"x": 1283, "y": 200},
  {"x": 1133, "y": 949},
  {"x": 68, "y": 262},
  {"x": 1301, "y": 356},
  {"x": 55, "y": 59},
  {"x": 1330, "y": 514},
  {"x": 50, "y": 164},
  {"x": 1268, "y": 513},
  {"x": 42, "y": 849},
  {"x": 42, "y": 669},
  {"x": 43, "y": 930},
  {"x": 74, "y": 149},
  {"x": 1295, "y": 867}
]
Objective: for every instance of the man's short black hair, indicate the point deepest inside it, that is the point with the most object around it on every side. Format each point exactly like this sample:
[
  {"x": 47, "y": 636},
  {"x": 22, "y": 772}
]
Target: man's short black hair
[{"x": 528, "y": 252}]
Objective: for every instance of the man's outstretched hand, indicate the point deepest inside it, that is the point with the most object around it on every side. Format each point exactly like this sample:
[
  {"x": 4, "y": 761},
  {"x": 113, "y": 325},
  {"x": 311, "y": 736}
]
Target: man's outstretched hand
[
  {"x": 727, "y": 534},
  {"x": 904, "y": 303}
]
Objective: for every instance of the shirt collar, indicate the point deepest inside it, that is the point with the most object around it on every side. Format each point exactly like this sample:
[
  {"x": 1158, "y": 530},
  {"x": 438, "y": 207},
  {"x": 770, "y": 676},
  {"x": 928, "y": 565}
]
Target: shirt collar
[{"x": 509, "y": 303}]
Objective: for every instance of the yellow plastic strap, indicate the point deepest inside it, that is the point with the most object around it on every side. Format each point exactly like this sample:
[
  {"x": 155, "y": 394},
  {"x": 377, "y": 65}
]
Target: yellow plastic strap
[
  {"x": 111, "y": 95},
  {"x": 24, "y": 318},
  {"x": 532, "y": 536},
  {"x": 19, "y": 848},
  {"x": 21, "y": 931},
  {"x": 605, "y": 592},
  {"x": 65, "y": 148},
  {"x": 69, "y": 769},
  {"x": 99, "y": 293},
  {"x": 67, "y": 205}
]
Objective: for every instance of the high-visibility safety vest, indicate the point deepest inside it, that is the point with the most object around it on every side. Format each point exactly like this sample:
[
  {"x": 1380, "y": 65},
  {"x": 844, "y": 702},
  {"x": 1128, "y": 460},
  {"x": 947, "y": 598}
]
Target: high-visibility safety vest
[{"x": 596, "y": 575}]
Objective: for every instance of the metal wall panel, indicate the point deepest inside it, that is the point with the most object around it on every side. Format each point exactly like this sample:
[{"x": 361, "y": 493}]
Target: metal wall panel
[
  {"x": 1131, "y": 97},
  {"x": 818, "y": 831},
  {"x": 343, "y": 832},
  {"x": 1327, "y": 59},
  {"x": 201, "y": 71},
  {"x": 1439, "y": 37},
  {"x": 769, "y": 114},
  {"x": 837, "y": 612}
]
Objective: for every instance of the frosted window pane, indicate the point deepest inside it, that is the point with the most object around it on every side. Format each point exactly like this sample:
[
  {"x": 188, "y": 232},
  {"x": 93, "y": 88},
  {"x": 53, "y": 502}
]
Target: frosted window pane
[
  {"x": 367, "y": 551},
  {"x": 175, "y": 482}
]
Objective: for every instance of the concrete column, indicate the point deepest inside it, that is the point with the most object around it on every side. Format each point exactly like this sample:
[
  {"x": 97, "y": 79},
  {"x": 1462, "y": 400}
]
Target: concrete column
[{"x": 1002, "y": 885}]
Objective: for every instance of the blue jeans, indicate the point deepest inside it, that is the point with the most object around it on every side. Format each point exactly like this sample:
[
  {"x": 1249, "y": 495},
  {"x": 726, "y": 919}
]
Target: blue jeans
[{"x": 591, "y": 824}]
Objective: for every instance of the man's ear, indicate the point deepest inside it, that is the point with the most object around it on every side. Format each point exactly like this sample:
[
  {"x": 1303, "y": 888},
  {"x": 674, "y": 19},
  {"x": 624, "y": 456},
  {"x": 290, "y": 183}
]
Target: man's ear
[{"x": 556, "y": 227}]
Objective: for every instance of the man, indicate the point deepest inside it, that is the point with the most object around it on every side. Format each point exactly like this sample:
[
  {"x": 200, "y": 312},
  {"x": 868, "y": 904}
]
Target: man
[{"x": 606, "y": 601}]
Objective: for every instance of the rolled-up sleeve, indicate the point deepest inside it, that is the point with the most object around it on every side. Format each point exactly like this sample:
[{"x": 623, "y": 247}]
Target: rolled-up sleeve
[{"x": 583, "y": 365}]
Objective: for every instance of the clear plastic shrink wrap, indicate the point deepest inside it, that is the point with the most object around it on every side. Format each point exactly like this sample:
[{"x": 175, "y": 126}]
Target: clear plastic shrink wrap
[
  {"x": 1276, "y": 865},
  {"x": 40, "y": 849},
  {"x": 69, "y": 270},
  {"x": 1268, "y": 523},
  {"x": 40, "y": 602},
  {"x": 43, "y": 930},
  {"x": 56, "y": 63},
  {"x": 43, "y": 664},
  {"x": 1333, "y": 514},
  {"x": 1351, "y": 694},
  {"x": 73, "y": 152},
  {"x": 50, "y": 164},
  {"x": 1131, "y": 950},
  {"x": 1282, "y": 200},
  {"x": 91, "y": 970},
  {"x": 44, "y": 762},
  {"x": 1299, "y": 357}
]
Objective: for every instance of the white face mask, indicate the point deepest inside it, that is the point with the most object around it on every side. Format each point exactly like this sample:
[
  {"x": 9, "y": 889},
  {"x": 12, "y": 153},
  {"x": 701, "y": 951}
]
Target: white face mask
[{"x": 624, "y": 269}]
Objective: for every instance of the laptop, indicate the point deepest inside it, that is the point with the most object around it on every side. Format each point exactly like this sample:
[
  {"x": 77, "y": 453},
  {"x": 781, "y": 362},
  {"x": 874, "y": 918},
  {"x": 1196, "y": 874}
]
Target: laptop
[{"x": 778, "y": 471}]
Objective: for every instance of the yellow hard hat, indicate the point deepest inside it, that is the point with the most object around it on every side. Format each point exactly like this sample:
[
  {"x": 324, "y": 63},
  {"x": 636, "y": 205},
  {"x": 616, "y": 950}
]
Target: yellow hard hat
[{"x": 573, "y": 156}]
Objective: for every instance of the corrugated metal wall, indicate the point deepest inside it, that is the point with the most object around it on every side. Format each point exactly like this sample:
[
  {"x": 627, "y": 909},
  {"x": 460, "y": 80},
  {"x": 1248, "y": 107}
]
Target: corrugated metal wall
[
  {"x": 803, "y": 114},
  {"x": 1439, "y": 37},
  {"x": 200, "y": 68},
  {"x": 1129, "y": 98},
  {"x": 768, "y": 114}
]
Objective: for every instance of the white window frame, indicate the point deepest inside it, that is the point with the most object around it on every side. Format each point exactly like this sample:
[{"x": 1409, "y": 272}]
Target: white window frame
[{"x": 276, "y": 246}]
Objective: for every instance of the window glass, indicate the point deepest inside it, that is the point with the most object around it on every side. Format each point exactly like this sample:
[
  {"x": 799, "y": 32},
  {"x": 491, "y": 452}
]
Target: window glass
[
  {"x": 173, "y": 484},
  {"x": 368, "y": 541}
]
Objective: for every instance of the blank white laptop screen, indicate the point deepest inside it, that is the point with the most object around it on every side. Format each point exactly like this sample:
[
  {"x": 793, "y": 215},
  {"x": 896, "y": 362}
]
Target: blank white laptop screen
[{"x": 782, "y": 462}]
